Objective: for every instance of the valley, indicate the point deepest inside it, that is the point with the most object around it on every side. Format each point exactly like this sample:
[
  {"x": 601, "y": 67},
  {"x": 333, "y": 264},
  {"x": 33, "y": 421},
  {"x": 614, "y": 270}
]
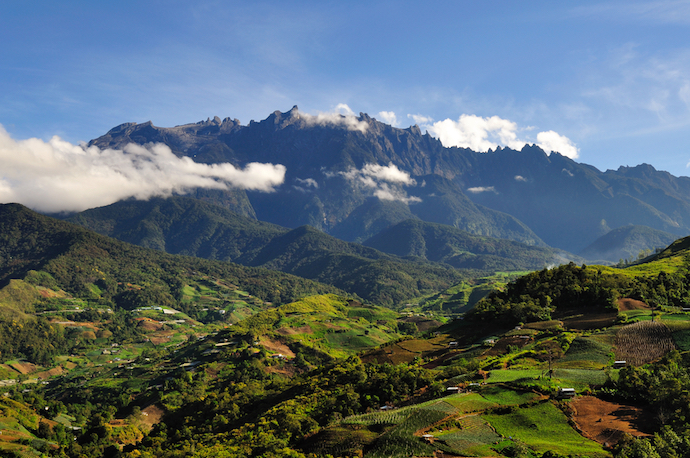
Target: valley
[{"x": 110, "y": 349}]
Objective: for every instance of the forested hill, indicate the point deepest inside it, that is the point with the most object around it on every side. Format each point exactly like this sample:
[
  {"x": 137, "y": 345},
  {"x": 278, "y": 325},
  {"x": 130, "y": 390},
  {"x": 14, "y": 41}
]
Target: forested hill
[
  {"x": 447, "y": 244},
  {"x": 183, "y": 225},
  {"x": 62, "y": 255}
]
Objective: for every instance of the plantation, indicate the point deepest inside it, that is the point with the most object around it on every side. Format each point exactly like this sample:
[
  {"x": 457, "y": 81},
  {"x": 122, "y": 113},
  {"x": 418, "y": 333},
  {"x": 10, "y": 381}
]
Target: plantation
[{"x": 643, "y": 342}]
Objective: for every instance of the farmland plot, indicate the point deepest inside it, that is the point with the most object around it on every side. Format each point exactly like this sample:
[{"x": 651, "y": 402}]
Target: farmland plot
[{"x": 643, "y": 342}]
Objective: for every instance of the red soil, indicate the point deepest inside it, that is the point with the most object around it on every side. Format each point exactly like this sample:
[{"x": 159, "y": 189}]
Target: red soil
[
  {"x": 607, "y": 422},
  {"x": 625, "y": 304}
]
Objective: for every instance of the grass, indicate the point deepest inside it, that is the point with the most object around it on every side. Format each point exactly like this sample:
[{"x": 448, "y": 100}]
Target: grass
[
  {"x": 505, "y": 397},
  {"x": 586, "y": 353},
  {"x": 682, "y": 339},
  {"x": 574, "y": 378},
  {"x": 473, "y": 436},
  {"x": 544, "y": 427},
  {"x": 400, "y": 441},
  {"x": 469, "y": 402}
]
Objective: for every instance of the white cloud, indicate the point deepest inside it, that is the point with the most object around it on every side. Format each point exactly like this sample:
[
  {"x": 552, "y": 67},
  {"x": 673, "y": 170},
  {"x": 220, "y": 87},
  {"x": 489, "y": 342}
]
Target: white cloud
[
  {"x": 58, "y": 176},
  {"x": 343, "y": 116},
  {"x": 567, "y": 172},
  {"x": 388, "y": 117},
  {"x": 477, "y": 133},
  {"x": 482, "y": 134},
  {"x": 386, "y": 192},
  {"x": 420, "y": 120},
  {"x": 384, "y": 181},
  {"x": 551, "y": 141},
  {"x": 478, "y": 189},
  {"x": 308, "y": 182},
  {"x": 520, "y": 178}
]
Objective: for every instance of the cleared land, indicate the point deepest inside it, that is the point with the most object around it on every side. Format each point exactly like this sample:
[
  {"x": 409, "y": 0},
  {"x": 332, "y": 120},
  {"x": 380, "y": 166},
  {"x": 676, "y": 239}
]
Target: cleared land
[{"x": 608, "y": 422}]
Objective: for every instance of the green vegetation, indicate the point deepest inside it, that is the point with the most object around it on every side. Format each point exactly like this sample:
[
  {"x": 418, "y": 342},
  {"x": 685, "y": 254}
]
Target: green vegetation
[
  {"x": 543, "y": 427},
  {"x": 145, "y": 354}
]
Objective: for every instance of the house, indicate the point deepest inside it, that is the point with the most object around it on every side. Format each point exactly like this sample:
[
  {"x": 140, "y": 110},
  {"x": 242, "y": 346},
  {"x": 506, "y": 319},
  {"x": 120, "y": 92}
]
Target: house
[
  {"x": 619, "y": 364},
  {"x": 453, "y": 344},
  {"x": 566, "y": 393}
]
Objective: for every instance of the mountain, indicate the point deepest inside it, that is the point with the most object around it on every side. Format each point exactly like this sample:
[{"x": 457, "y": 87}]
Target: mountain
[
  {"x": 626, "y": 243},
  {"x": 182, "y": 225},
  {"x": 460, "y": 249},
  {"x": 57, "y": 254},
  {"x": 337, "y": 174}
]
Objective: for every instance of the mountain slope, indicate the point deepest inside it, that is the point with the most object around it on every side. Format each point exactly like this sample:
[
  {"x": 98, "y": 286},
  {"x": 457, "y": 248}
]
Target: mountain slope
[
  {"x": 186, "y": 226},
  {"x": 87, "y": 264},
  {"x": 441, "y": 243},
  {"x": 330, "y": 180},
  {"x": 626, "y": 243},
  {"x": 180, "y": 225}
]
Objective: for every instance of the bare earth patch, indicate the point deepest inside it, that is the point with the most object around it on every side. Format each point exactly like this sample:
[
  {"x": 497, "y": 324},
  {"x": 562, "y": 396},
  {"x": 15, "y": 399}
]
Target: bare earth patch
[
  {"x": 626, "y": 303},
  {"x": 152, "y": 415},
  {"x": 148, "y": 324},
  {"x": 50, "y": 373},
  {"x": 276, "y": 346},
  {"x": 588, "y": 318},
  {"x": 23, "y": 367},
  {"x": 501, "y": 347},
  {"x": 290, "y": 331},
  {"x": 607, "y": 422}
]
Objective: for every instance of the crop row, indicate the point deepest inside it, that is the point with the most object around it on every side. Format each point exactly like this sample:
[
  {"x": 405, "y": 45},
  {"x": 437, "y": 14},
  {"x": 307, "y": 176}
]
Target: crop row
[{"x": 643, "y": 342}]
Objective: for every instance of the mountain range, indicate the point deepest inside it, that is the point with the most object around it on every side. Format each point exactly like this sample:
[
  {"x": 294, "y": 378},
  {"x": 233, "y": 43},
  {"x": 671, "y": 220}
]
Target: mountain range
[{"x": 339, "y": 180}]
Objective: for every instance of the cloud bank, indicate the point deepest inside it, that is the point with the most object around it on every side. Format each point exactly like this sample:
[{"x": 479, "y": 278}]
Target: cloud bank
[
  {"x": 482, "y": 134},
  {"x": 57, "y": 176},
  {"x": 343, "y": 116},
  {"x": 385, "y": 181}
]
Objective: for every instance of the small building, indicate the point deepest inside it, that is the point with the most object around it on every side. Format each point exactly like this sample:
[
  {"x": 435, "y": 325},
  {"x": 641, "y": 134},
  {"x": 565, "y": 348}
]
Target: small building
[
  {"x": 452, "y": 389},
  {"x": 428, "y": 438},
  {"x": 453, "y": 344},
  {"x": 566, "y": 393},
  {"x": 619, "y": 364}
]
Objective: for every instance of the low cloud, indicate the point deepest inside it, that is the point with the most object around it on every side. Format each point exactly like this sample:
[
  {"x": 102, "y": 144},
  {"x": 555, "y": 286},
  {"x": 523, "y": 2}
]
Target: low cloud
[
  {"x": 57, "y": 176},
  {"x": 305, "y": 184},
  {"x": 551, "y": 141},
  {"x": 520, "y": 178},
  {"x": 388, "y": 117},
  {"x": 385, "y": 181},
  {"x": 478, "y": 189},
  {"x": 343, "y": 116},
  {"x": 482, "y": 134},
  {"x": 420, "y": 120}
]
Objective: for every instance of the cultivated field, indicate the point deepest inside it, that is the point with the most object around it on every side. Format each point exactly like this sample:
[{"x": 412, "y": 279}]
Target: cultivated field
[{"x": 643, "y": 342}]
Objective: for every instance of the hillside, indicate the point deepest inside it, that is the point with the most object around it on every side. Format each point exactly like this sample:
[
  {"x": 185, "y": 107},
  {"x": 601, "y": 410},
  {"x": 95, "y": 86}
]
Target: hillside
[
  {"x": 460, "y": 249},
  {"x": 62, "y": 255},
  {"x": 626, "y": 243},
  {"x": 335, "y": 176},
  {"x": 328, "y": 376},
  {"x": 187, "y": 226}
]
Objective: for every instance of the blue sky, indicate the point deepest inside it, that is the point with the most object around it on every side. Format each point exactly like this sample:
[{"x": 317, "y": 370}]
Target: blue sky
[{"x": 611, "y": 79}]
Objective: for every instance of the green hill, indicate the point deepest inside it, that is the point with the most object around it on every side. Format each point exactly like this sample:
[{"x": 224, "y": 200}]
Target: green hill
[
  {"x": 626, "y": 243},
  {"x": 449, "y": 245},
  {"x": 186, "y": 226}
]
